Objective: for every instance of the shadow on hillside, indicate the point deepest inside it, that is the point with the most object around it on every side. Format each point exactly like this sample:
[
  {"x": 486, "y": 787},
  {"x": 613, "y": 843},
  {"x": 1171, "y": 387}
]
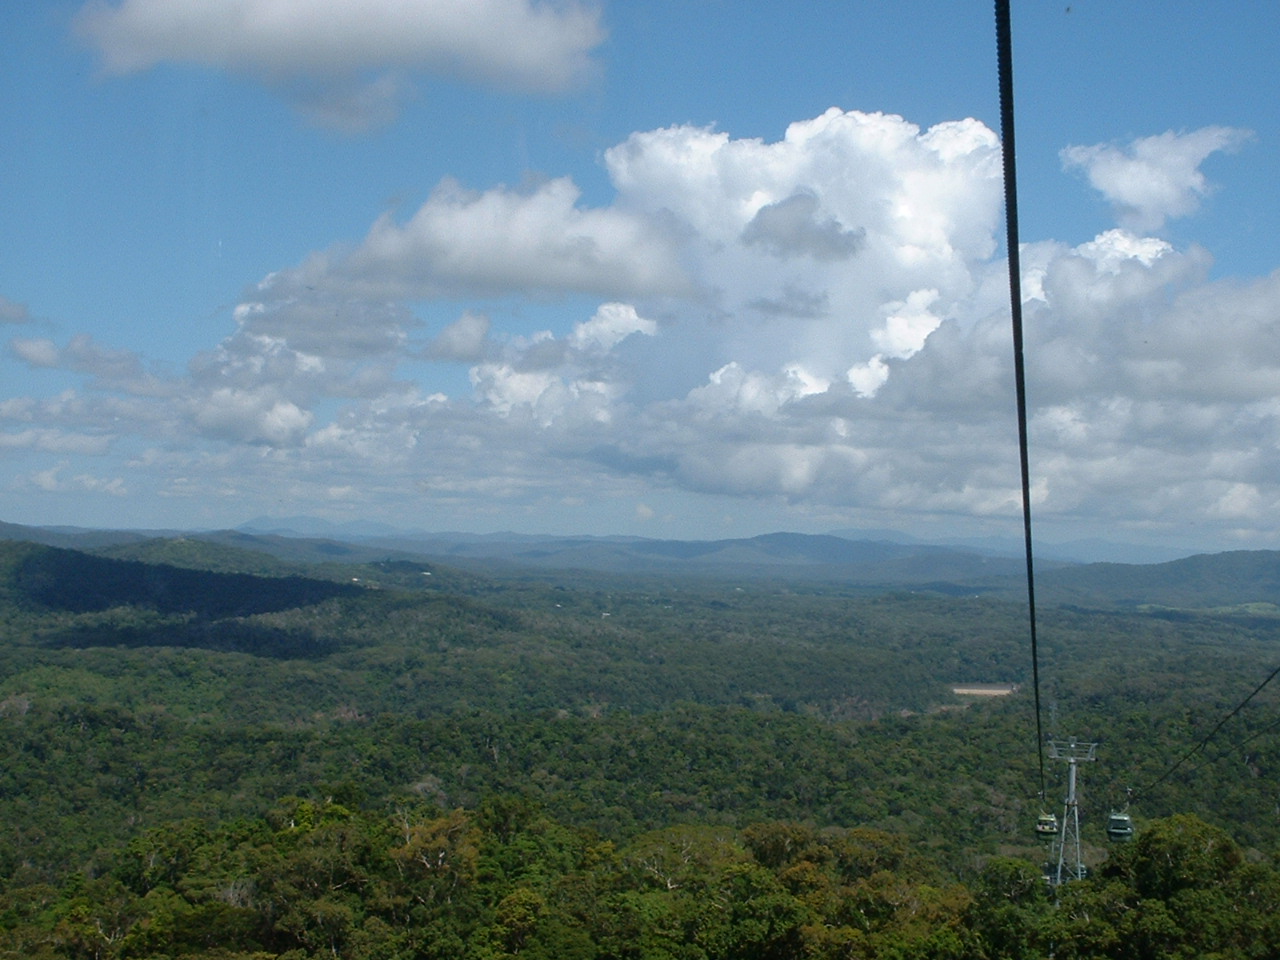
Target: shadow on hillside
[
  {"x": 79, "y": 583},
  {"x": 236, "y": 636}
]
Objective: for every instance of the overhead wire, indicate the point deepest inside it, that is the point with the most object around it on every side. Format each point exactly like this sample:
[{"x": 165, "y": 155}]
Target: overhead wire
[
  {"x": 1004, "y": 56},
  {"x": 1247, "y": 740},
  {"x": 1209, "y": 736}
]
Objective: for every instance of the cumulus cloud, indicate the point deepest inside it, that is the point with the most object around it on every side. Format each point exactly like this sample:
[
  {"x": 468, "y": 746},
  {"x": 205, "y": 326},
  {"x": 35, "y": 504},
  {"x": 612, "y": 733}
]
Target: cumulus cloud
[
  {"x": 295, "y": 345},
  {"x": 320, "y": 323},
  {"x": 563, "y": 382},
  {"x": 610, "y": 325},
  {"x": 818, "y": 230},
  {"x": 343, "y": 60},
  {"x": 740, "y": 230},
  {"x": 908, "y": 324},
  {"x": 1153, "y": 179},
  {"x": 820, "y": 321},
  {"x": 502, "y": 241},
  {"x": 868, "y": 172},
  {"x": 253, "y": 416}
]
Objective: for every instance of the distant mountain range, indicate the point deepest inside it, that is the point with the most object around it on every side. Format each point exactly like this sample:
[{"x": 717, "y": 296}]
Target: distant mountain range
[
  {"x": 1245, "y": 581},
  {"x": 1073, "y": 551}
]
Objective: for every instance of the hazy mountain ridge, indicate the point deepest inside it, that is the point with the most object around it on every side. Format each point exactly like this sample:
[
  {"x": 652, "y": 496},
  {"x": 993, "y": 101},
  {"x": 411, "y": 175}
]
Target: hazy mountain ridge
[
  {"x": 1236, "y": 579},
  {"x": 773, "y": 555}
]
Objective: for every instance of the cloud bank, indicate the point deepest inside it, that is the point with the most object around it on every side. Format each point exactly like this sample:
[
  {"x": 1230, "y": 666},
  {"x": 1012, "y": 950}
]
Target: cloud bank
[{"x": 819, "y": 323}]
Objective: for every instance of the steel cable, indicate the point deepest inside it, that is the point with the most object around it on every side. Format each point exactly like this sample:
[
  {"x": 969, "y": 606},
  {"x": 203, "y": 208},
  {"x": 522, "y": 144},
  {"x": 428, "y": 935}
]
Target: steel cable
[{"x": 1004, "y": 52}]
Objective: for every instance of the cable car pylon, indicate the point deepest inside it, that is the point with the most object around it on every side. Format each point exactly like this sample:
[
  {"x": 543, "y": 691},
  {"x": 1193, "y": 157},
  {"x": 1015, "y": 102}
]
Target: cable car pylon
[{"x": 1069, "y": 862}]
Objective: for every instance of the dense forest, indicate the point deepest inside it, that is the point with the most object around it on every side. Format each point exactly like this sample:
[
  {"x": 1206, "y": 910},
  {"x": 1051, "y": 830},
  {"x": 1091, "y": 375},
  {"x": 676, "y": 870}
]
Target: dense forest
[{"x": 223, "y": 753}]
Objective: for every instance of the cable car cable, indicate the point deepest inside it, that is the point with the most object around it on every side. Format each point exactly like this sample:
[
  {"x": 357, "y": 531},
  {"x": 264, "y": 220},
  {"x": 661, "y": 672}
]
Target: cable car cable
[
  {"x": 1247, "y": 740},
  {"x": 1004, "y": 55},
  {"x": 1212, "y": 733},
  {"x": 1004, "y": 52}
]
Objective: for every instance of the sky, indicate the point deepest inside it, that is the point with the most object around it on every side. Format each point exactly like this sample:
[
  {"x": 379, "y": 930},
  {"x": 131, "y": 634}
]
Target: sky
[{"x": 671, "y": 268}]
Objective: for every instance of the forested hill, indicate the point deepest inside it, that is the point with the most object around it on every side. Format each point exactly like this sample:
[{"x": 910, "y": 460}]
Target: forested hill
[
  {"x": 208, "y": 751},
  {"x": 69, "y": 580},
  {"x": 1245, "y": 581}
]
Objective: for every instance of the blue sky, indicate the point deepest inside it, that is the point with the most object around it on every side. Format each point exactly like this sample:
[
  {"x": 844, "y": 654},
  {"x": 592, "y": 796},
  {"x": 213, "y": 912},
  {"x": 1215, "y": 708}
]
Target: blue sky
[{"x": 678, "y": 269}]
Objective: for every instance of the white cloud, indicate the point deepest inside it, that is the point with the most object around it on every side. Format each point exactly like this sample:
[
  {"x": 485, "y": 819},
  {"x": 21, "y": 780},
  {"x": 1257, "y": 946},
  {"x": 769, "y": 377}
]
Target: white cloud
[
  {"x": 107, "y": 368},
  {"x": 505, "y": 389},
  {"x": 733, "y": 390},
  {"x": 250, "y": 416},
  {"x": 341, "y": 60},
  {"x": 1153, "y": 179},
  {"x": 611, "y": 324},
  {"x": 1239, "y": 501},
  {"x": 820, "y": 322},
  {"x": 51, "y": 481},
  {"x": 500, "y": 241},
  {"x": 869, "y": 376},
  {"x": 318, "y": 322},
  {"x": 295, "y": 345},
  {"x": 36, "y": 352},
  {"x": 816, "y": 232},
  {"x": 797, "y": 258},
  {"x": 907, "y": 325}
]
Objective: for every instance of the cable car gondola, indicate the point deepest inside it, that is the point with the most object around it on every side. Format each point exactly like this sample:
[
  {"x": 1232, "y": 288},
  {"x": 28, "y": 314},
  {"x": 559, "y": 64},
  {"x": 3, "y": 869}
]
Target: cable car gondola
[
  {"x": 1047, "y": 825},
  {"x": 1119, "y": 827}
]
